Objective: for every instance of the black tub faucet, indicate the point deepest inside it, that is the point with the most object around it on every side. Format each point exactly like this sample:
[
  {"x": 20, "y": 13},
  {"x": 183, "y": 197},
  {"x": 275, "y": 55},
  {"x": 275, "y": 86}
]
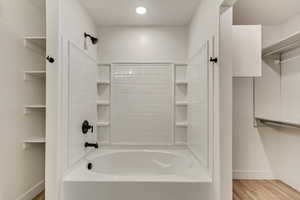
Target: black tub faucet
[
  {"x": 86, "y": 127},
  {"x": 95, "y": 145}
]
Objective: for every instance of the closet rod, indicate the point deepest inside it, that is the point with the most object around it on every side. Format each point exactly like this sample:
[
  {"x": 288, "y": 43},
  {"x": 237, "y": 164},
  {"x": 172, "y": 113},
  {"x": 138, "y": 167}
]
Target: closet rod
[{"x": 279, "y": 124}]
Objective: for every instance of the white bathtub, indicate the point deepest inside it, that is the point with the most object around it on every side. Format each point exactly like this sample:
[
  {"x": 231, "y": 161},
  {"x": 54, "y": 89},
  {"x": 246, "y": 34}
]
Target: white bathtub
[
  {"x": 135, "y": 174},
  {"x": 140, "y": 163}
]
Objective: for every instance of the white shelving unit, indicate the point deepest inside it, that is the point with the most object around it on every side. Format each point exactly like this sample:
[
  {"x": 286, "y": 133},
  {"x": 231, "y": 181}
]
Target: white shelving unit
[
  {"x": 36, "y": 42},
  {"x": 37, "y": 74},
  {"x": 282, "y": 46},
  {"x": 103, "y": 103},
  {"x": 181, "y": 104},
  {"x": 276, "y": 93}
]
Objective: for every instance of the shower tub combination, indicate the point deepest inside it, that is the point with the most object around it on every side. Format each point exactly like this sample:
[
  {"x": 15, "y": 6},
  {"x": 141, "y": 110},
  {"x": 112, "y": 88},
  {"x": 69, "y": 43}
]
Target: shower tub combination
[{"x": 135, "y": 174}]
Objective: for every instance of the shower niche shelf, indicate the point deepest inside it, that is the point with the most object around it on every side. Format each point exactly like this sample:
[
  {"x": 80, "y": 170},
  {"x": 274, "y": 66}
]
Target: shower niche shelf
[
  {"x": 103, "y": 124},
  {"x": 36, "y": 42},
  {"x": 181, "y": 83},
  {"x": 181, "y": 124},
  {"x": 103, "y": 103},
  {"x": 181, "y": 104},
  {"x": 103, "y": 83}
]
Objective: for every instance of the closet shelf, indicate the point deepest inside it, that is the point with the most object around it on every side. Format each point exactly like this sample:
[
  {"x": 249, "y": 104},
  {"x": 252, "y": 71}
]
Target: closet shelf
[
  {"x": 36, "y": 140},
  {"x": 282, "y": 46},
  {"x": 103, "y": 82},
  {"x": 181, "y": 124},
  {"x": 34, "y": 74},
  {"x": 28, "y": 108},
  {"x": 103, "y": 124},
  {"x": 181, "y": 103},
  {"x": 103, "y": 103},
  {"x": 39, "y": 42},
  {"x": 269, "y": 122}
]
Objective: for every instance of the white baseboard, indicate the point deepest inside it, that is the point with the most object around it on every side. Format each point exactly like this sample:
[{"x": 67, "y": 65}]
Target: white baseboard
[
  {"x": 252, "y": 175},
  {"x": 33, "y": 192}
]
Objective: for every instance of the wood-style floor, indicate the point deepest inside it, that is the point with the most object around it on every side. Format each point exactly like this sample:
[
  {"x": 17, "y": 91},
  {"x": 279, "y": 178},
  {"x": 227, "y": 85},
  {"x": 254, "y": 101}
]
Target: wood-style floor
[
  {"x": 41, "y": 196},
  {"x": 253, "y": 190},
  {"x": 263, "y": 190}
]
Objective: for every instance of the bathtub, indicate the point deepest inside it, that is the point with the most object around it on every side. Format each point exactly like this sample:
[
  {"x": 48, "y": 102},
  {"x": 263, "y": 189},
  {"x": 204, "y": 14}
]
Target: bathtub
[{"x": 175, "y": 173}]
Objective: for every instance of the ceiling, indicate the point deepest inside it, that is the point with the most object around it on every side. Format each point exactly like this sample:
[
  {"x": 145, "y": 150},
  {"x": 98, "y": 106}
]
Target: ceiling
[
  {"x": 266, "y": 12},
  {"x": 160, "y": 12}
]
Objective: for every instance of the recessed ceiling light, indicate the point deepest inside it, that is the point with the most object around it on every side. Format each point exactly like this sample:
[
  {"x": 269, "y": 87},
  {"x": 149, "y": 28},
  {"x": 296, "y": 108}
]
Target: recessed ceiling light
[{"x": 141, "y": 10}]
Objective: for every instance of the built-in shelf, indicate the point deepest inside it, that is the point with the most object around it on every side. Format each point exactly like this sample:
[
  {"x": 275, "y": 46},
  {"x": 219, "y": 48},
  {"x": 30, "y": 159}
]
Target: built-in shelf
[
  {"x": 180, "y": 143},
  {"x": 103, "y": 103},
  {"x": 284, "y": 45},
  {"x": 34, "y": 74},
  {"x": 103, "y": 82},
  {"x": 181, "y": 103},
  {"x": 181, "y": 124},
  {"x": 103, "y": 124},
  {"x": 36, "y": 140},
  {"x": 38, "y": 42},
  {"x": 29, "y": 108},
  {"x": 181, "y": 82}
]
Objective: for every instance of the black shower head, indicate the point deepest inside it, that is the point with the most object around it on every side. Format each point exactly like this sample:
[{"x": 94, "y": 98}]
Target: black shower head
[{"x": 93, "y": 39}]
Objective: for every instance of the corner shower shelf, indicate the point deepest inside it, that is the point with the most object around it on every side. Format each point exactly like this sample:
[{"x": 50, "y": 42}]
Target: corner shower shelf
[
  {"x": 103, "y": 124},
  {"x": 29, "y": 108},
  {"x": 181, "y": 83},
  {"x": 38, "y": 42},
  {"x": 282, "y": 46},
  {"x": 103, "y": 103},
  {"x": 103, "y": 82},
  {"x": 181, "y": 124},
  {"x": 181, "y": 103},
  {"x": 36, "y": 140},
  {"x": 34, "y": 74}
]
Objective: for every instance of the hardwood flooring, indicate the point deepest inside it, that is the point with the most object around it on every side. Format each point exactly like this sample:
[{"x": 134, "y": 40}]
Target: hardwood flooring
[
  {"x": 263, "y": 190},
  {"x": 41, "y": 196}
]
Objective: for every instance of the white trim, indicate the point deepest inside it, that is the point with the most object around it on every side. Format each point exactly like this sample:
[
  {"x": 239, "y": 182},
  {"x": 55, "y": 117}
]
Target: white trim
[
  {"x": 252, "y": 174},
  {"x": 33, "y": 192},
  {"x": 110, "y": 62}
]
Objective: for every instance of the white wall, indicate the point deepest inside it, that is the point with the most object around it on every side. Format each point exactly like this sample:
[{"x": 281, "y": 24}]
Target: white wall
[
  {"x": 75, "y": 20},
  {"x": 143, "y": 44},
  {"x": 288, "y": 166},
  {"x": 265, "y": 149},
  {"x": 250, "y": 159},
  {"x": 203, "y": 27},
  {"x": 69, "y": 20},
  {"x": 21, "y": 169}
]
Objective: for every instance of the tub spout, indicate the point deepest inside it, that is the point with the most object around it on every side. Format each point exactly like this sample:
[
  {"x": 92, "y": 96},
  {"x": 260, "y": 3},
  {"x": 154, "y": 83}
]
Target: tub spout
[{"x": 95, "y": 145}]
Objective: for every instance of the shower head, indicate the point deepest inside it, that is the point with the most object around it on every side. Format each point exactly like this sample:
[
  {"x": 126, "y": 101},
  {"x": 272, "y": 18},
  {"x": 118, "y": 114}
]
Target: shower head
[{"x": 93, "y": 39}]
